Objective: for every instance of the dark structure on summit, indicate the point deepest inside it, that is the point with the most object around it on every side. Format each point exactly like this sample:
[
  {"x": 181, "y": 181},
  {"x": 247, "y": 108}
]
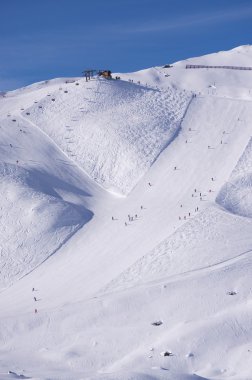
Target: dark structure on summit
[
  {"x": 105, "y": 74},
  {"x": 89, "y": 73}
]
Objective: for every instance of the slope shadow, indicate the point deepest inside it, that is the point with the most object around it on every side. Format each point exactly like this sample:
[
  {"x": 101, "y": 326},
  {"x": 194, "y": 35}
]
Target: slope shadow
[{"x": 47, "y": 183}]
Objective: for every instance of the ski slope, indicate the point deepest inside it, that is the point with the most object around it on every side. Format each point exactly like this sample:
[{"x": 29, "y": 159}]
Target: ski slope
[
  {"x": 175, "y": 248},
  {"x": 113, "y": 130},
  {"x": 220, "y": 82},
  {"x": 38, "y": 209},
  {"x": 236, "y": 194}
]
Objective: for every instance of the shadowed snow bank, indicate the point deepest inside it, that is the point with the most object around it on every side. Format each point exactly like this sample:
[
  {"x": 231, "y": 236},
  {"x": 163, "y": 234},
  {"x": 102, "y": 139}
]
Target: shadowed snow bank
[
  {"x": 236, "y": 194},
  {"x": 35, "y": 220}
]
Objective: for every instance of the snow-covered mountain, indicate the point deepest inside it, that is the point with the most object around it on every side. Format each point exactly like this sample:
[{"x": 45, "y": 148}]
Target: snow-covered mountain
[{"x": 126, "y": 225}]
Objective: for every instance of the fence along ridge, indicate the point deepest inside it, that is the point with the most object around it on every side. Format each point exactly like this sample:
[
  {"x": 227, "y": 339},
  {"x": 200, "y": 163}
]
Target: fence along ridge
[{"x": 218, "y": 67}]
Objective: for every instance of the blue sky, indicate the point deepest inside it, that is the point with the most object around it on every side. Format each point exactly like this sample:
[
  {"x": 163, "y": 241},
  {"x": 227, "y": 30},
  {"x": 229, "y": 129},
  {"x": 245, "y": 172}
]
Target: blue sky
[{"x": 41, "y": 39}]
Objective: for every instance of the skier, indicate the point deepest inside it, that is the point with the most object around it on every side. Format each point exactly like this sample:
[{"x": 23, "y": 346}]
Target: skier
[
  {"x": 35, "y": 311},
  {"x": 125, "y": 224},
  {"x": 113, "y": 218},
  {"x": 175, "y": 167},
  {"x": 35, "y": 299},
  {"x": 141, "y": 207},
  {"x": 33, "y": 289},
  {"x": 149, "y": 184}
]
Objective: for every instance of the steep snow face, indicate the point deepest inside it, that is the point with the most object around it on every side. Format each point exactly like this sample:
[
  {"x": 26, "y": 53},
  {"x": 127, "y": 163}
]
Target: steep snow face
[
  {"x": 34, "y": 221},
  {"x": 236, "y": 194},
  {"x": 112, "y": 129},
  {"x": 40, "y": 206}
]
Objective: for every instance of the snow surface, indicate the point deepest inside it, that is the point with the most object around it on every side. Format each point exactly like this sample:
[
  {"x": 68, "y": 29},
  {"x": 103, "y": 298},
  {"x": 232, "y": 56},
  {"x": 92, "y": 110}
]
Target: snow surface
[
  {"x": 133, "y": 123},
  {"x": 178, "y": 148},
  {"x": 236, "y": 194}
]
